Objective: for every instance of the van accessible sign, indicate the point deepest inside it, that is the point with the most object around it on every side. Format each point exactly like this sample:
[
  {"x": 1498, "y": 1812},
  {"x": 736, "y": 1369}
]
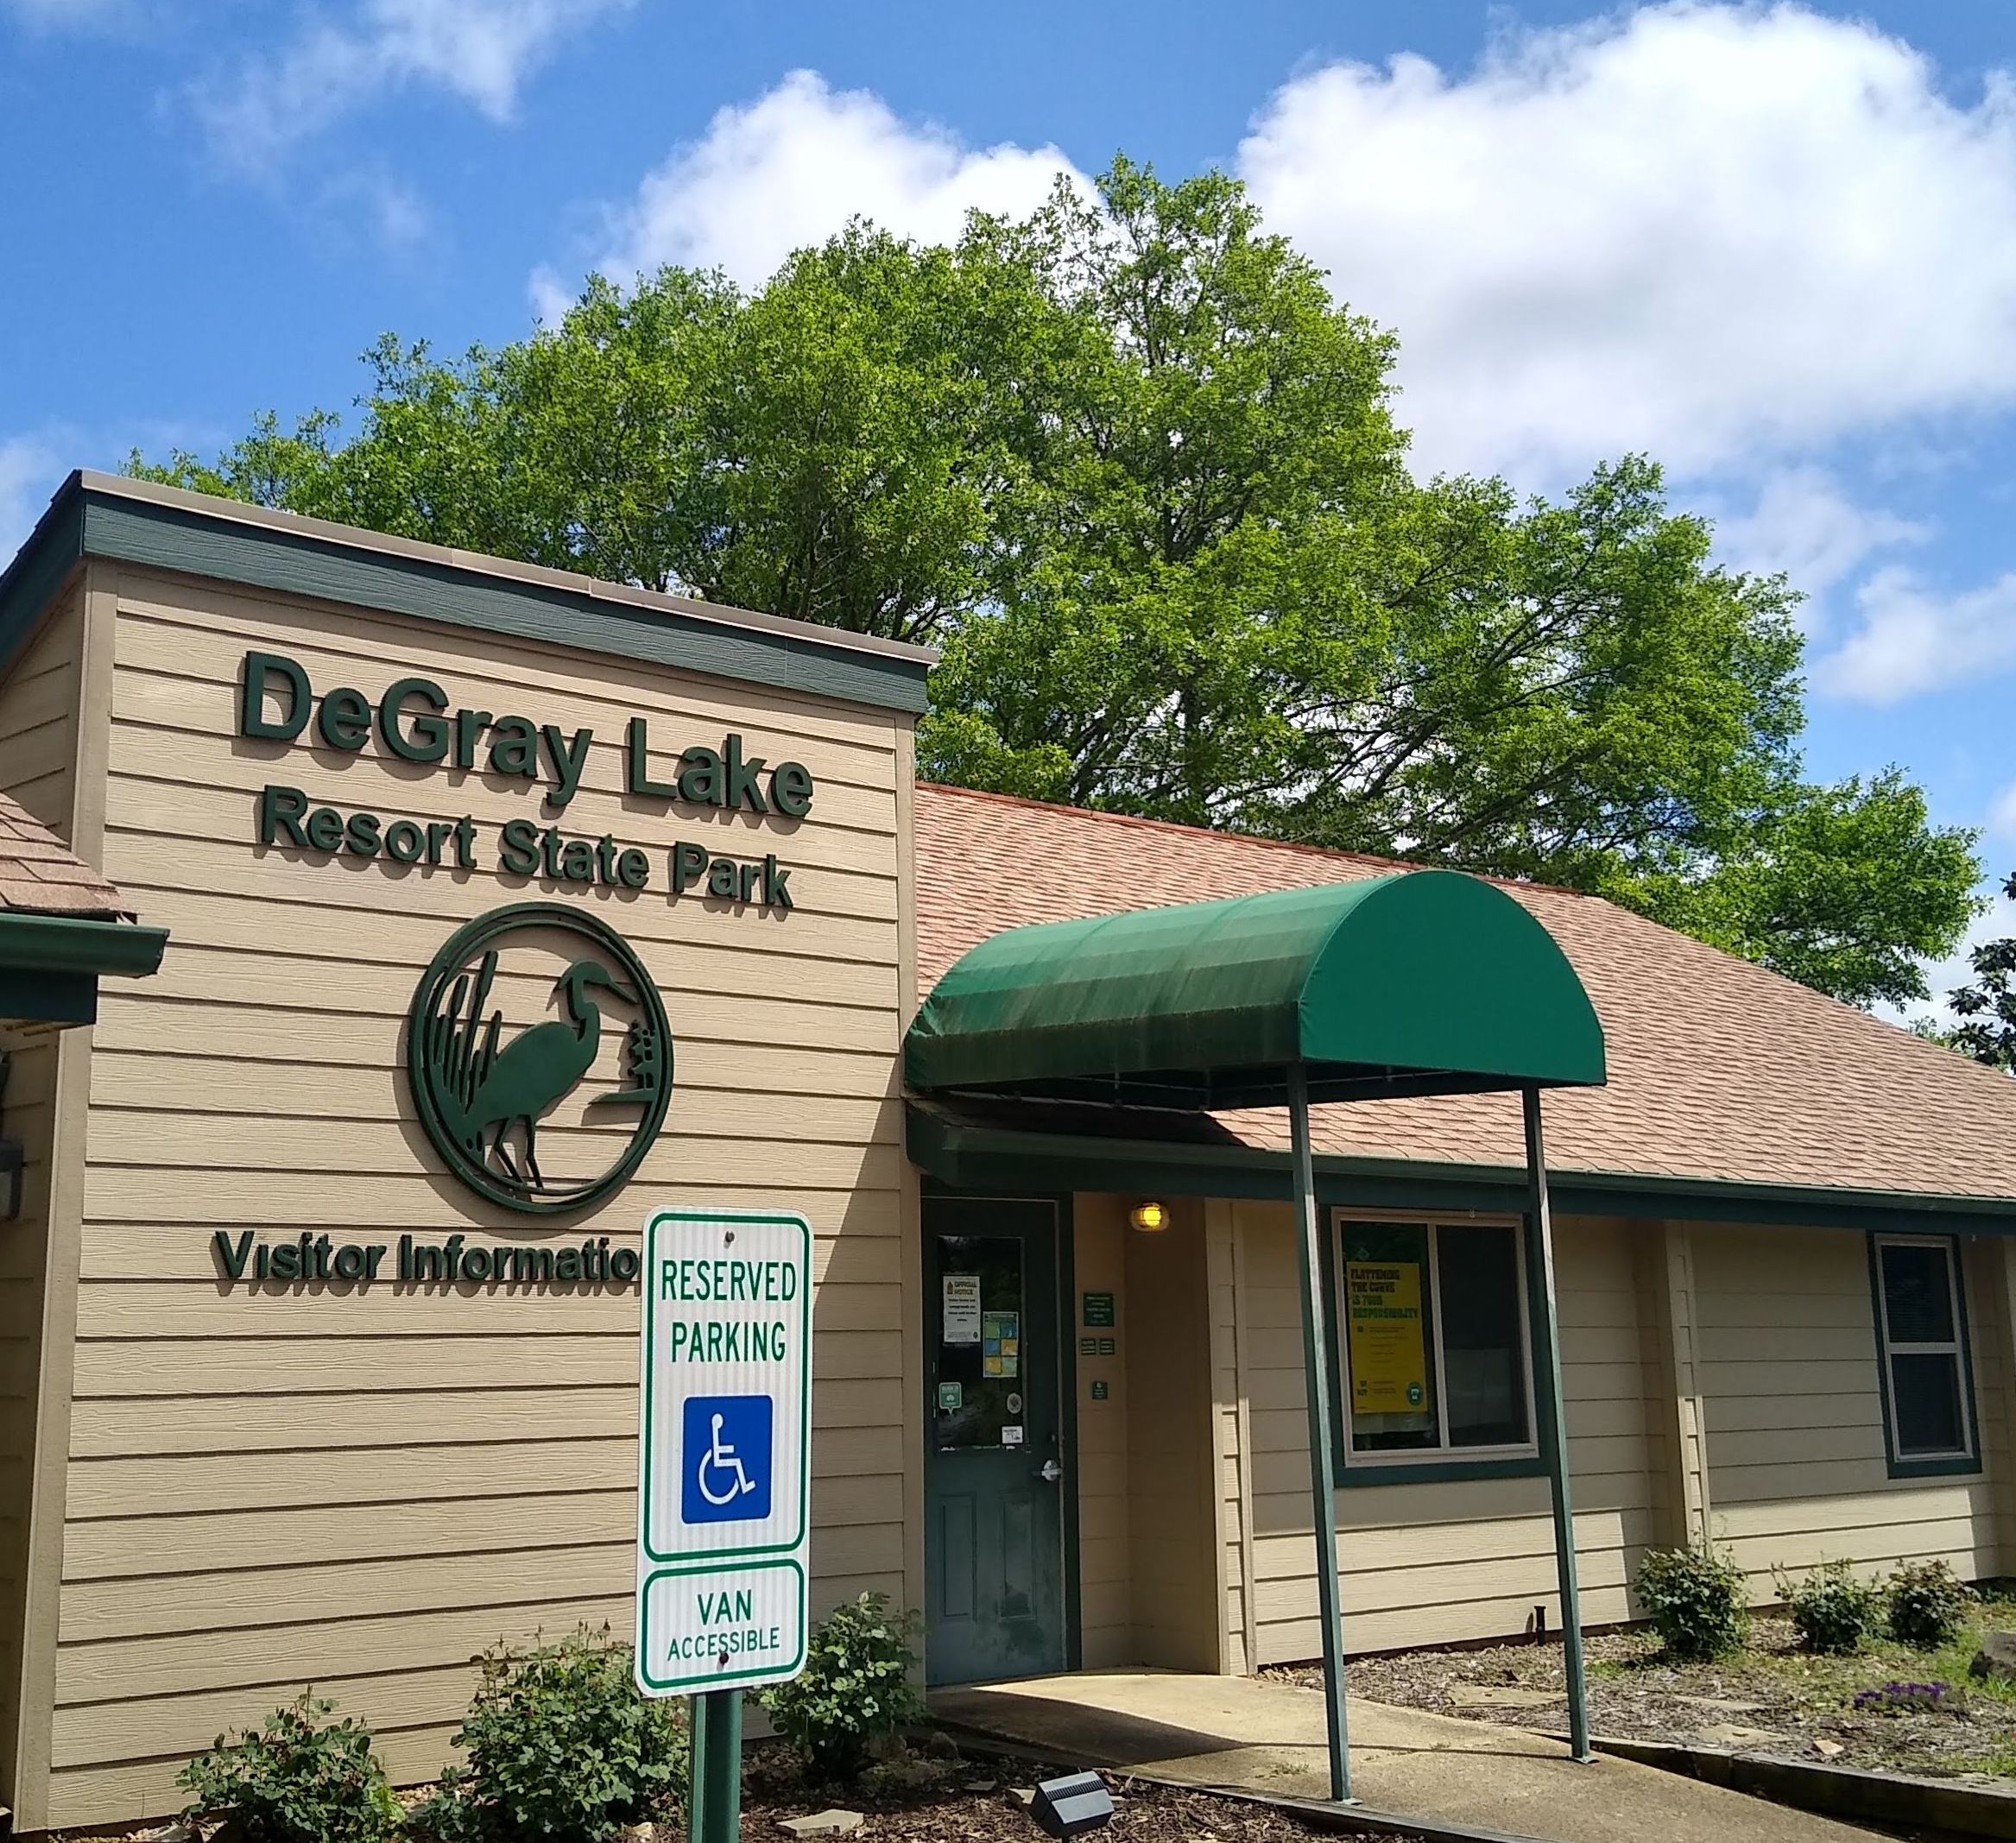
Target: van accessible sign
[{"x": 724, "y": 1461}]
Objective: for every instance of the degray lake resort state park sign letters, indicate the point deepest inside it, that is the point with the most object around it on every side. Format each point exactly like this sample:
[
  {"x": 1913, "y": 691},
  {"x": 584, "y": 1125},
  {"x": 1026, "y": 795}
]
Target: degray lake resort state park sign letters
[{"x": 414, "y": 721}]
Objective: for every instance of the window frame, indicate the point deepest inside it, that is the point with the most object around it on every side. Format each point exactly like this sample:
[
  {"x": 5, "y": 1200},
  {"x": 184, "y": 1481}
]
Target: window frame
[
  {"x": 1441, "y": 1463},
  {"x": 1966, "y": 1462}
]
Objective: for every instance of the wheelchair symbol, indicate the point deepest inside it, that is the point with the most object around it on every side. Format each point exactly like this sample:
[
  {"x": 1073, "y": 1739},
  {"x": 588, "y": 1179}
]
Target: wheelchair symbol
[
  {"x": 719, "y": 1458},
  {"x": 726, "y": 1458}
]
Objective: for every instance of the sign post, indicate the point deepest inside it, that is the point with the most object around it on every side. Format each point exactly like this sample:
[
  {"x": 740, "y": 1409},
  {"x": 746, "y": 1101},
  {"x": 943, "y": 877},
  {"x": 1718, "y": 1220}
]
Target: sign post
[{"x": 724, "y": 1476}]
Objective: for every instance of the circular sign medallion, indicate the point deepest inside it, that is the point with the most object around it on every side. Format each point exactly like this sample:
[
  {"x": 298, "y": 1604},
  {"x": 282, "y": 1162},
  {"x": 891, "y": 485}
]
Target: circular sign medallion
[{"x": 522, "y": 1111}]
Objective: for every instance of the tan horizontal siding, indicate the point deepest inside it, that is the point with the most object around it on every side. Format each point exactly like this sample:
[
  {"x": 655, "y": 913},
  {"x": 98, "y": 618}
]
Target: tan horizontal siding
[
  {"x": 361, "y": 1486},
  {"x": 293, "y": 1200},
  {"x": 138, "y": 1548},
  {"x": 257, "y": 1036},
  {"x": 165, "y": 1141},
  {"x": 723, "y": 1108},
  {"x": 1797, "y": 1472},
  {"x": 190, "y": 1604},
  {"x": 849, "y": 1009},
  {"x": 321, "y": 924},
  {"x": 137, "y": 1308}
]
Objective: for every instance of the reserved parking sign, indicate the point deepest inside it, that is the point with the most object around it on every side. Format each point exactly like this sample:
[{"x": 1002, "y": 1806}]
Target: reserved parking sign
[{"x": 724, "y": 1457}]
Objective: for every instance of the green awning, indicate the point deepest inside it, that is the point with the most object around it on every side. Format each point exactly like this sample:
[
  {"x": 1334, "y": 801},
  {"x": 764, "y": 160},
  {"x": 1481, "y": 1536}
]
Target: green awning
[{"x": 1426, "y": 982}]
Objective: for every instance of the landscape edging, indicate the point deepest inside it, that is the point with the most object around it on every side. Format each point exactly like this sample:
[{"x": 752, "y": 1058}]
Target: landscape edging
[{"x": 1832, "y": 1791}]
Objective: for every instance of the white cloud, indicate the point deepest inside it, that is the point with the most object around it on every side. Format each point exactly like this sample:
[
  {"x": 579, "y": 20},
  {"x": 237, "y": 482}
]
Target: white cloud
[
  {"x": 792, "y": 167},
  {"x": 1701, "y": 231},
  {"x": 1805, "y": 525},
  {"x": 1912, "y": 638},
  {"x": 481, "y": 51}
]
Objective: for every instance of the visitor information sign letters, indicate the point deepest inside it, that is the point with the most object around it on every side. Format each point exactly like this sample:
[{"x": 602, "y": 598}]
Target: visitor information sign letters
[{"x": 725, "y": 1453}]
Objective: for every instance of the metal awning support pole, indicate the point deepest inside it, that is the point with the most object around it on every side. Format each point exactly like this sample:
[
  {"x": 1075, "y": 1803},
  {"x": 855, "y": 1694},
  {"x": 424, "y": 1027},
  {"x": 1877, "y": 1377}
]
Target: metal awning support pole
[
  {"x": 1322, "y": 1476},
  {"x": 1553, "y": 1417}
]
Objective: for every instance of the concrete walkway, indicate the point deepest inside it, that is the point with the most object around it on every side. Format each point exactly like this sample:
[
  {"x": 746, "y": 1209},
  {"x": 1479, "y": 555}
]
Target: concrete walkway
[{"x": 1267, "y": 1736}]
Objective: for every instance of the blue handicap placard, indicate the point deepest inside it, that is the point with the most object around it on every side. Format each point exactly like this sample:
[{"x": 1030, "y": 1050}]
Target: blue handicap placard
[{"x": 725, "y": 1458}]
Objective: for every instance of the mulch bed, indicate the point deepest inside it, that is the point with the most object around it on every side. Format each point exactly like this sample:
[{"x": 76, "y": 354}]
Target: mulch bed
[
  {"x": 1772, "y": 1697},
  {"x": 938, "y": 1801}
]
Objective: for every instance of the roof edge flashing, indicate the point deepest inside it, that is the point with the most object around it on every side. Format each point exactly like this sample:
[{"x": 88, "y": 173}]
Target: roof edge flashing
[
  {"x": 31, "y": 942},
  {"x": 166, "y": 528}
]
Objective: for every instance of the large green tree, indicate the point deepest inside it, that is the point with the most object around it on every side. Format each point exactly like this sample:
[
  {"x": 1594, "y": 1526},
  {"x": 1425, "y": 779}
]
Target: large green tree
[{"x": 1131, "y": 462}]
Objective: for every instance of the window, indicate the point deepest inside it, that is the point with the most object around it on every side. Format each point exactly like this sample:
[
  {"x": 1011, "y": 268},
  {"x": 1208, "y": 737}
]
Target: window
[
  {"x": 1434, "y": 1342},
  {"x": 1921, "y": 1326}
]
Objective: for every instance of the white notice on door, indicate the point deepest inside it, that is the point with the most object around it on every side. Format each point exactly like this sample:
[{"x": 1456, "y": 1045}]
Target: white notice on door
[{"x": 961, "y": 1309}]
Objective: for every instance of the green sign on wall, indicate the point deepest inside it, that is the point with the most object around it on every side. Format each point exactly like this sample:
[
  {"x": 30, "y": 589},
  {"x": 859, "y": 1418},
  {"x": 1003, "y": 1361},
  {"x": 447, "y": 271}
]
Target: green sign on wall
[{"x": 488, "y": 1069}]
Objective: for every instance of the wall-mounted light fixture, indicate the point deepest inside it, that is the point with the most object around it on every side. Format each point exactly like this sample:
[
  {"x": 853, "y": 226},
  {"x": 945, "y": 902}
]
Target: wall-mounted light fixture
[
  {"x": 9, "y": 1156},
  {"x": 1150, "y": 1217}
]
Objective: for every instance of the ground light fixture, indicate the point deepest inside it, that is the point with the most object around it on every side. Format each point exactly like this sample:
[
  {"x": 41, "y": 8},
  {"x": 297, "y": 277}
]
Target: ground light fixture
[
  {"x": 1072, "y": 1805},
  {"x": 1150, "y": 1217}
]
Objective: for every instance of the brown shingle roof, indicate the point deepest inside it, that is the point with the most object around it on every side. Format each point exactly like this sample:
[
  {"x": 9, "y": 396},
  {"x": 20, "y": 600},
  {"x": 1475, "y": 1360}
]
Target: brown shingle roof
[
  {"x": 40, "y": 875},
  {"x": 1719, "y": 1069}
]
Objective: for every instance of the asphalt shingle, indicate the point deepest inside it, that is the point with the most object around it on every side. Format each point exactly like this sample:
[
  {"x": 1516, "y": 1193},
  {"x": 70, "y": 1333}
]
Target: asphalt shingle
[
  {"x": 1719, "y": 1069},
  {"x": 40, "y": 875}
]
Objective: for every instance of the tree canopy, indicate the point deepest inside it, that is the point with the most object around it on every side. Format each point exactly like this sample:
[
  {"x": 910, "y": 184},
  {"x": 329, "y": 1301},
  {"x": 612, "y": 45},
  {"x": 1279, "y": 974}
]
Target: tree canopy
[
  {"x": 1130, "y": 463},
  {"x": 1987, "y": 1008}
]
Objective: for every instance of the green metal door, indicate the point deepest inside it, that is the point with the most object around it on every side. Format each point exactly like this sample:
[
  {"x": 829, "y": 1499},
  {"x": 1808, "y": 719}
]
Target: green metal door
[{"x": 995, "y": 1479}]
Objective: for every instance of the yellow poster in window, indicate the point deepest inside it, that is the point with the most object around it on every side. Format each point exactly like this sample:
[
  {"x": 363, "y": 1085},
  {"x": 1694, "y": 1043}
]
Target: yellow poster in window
[{"x": 1388, "y": 1351}]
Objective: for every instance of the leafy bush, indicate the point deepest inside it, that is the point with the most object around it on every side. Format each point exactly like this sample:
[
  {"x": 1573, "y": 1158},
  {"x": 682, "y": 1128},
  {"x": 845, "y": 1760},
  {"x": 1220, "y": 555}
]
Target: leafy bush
[
  {"x": 855, "y": 1691},
  {"x": 1928, "y": 1605},
  {"x": 1832, "y": 1610},
  {"x": 1696, "y": 1600},
  {"x": 297, "y": 1778},
  {"x": 561, "y": 1747}
]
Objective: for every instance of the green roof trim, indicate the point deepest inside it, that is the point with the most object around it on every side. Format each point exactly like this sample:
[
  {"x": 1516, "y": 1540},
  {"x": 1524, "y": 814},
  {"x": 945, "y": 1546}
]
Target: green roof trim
[
  {"x": 161, "y": 528},
  {"x": 998, "y": 1159},
  {"x": 1427, "y": 981},
  {"x": 72, "y": 944}
]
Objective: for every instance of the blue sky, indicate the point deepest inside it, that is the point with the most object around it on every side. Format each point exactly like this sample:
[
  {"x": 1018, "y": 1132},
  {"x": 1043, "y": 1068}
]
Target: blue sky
[{"x": 1774, "y": 247}]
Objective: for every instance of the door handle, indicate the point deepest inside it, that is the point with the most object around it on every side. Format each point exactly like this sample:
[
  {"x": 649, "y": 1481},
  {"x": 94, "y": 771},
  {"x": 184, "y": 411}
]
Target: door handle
[{"x": 1051, "y": 1473}]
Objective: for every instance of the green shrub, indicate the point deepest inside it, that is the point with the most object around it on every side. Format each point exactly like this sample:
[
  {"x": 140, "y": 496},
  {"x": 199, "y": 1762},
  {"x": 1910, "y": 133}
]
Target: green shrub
[
  {"x": 297, "y": 1778},
  {"x": 1696, "y": 1600},
  {"x": 448, "y": 1814},
  {"x": 1928, "y": 1605},
  {"x": 561, "y": 1747},
  {"x": 855, "y": 1691},
  {"x": 1832, "y": 1610}
]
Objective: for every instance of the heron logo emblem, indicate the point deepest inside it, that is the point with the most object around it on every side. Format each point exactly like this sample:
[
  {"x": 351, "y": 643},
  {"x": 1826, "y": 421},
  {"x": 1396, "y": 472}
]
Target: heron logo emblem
[{"x": 539, "y": 1057}]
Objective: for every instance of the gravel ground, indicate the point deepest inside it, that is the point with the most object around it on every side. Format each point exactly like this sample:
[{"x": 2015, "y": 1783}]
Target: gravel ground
[
  {"x": 930, "y": 1802},
  {"x": 1772, "y": 1697}
]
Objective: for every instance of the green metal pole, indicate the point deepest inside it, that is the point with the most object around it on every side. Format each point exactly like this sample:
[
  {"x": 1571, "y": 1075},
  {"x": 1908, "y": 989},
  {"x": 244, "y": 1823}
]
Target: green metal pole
[
  {"x": 1554, "y": 1419},
  {"x": 1322, "y": 1480},
  {"x": 714, "y": 1801}
]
